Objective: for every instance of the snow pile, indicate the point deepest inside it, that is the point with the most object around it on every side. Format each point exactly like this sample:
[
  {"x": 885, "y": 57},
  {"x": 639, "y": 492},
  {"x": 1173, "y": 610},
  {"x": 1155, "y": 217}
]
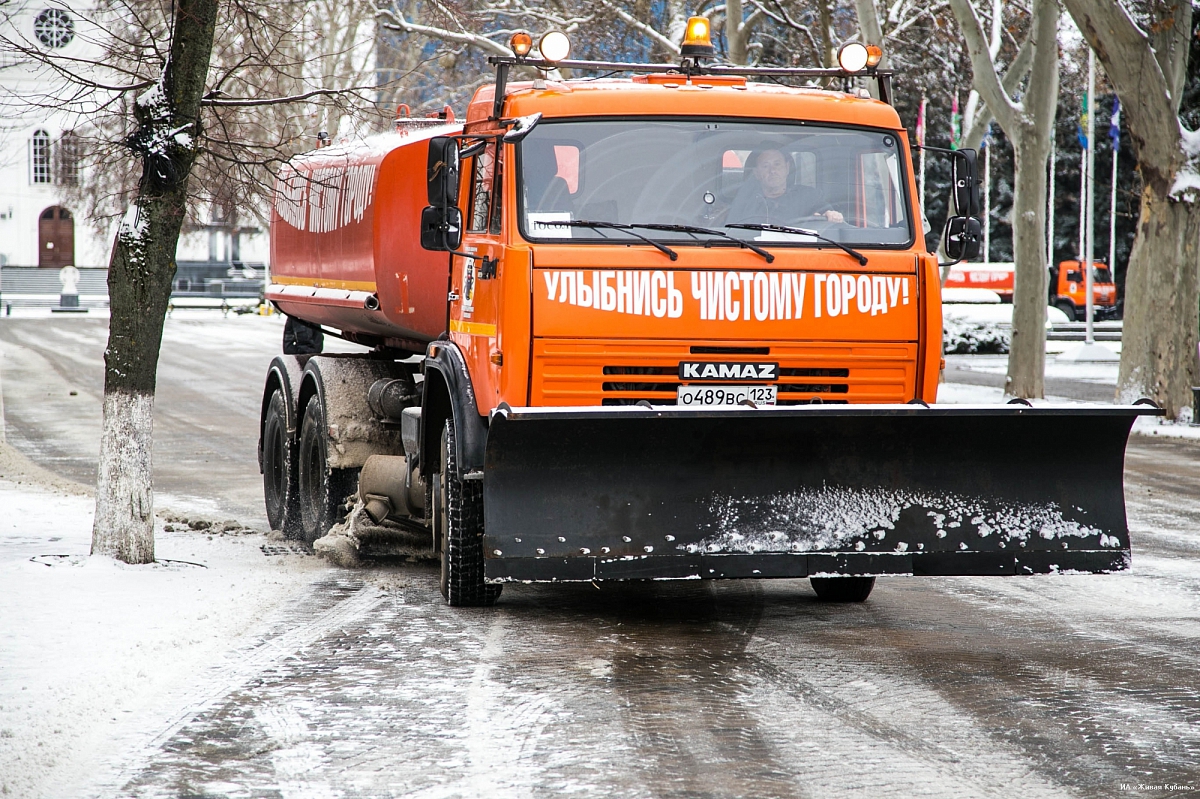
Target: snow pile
[
  {"x": 982, "y": 328},
  {"x": 96, "y": 655},
  {"x": 965, "y": 337}
]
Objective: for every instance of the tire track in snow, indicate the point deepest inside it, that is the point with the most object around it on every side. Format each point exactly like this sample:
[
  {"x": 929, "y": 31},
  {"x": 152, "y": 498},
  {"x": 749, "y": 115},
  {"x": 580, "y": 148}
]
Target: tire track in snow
[
  {"x": 676, "y": 668},
  {"x": 286, "y": 635}
]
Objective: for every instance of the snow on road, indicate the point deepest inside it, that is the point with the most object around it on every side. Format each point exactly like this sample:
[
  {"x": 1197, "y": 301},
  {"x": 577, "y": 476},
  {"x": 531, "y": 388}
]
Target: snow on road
[{"x": 95, "y": 654}]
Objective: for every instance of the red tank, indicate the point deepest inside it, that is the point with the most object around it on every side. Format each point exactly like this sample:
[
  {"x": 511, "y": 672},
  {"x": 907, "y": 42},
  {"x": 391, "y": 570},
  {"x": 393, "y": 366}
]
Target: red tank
[{"x": 345, "y": 239}]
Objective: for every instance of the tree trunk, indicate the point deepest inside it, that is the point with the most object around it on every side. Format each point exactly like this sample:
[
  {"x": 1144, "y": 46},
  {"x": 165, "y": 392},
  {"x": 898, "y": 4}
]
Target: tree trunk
[
  {"x": 139, "y": 287},
  {"x": 1027, "y": 356},
  {"x": 1158, "y": 345}
]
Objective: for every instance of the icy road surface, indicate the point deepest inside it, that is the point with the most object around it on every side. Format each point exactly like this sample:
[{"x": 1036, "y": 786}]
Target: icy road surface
[{"x": 363, "y": 684}]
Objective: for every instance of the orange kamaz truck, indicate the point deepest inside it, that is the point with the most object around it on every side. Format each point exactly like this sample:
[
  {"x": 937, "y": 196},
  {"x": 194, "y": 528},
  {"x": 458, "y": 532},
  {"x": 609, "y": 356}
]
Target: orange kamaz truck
[{"x": 676, "y": 321}]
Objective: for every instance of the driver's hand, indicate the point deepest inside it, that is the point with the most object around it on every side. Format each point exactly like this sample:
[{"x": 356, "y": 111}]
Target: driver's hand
[{"x": 833, "y": 216}]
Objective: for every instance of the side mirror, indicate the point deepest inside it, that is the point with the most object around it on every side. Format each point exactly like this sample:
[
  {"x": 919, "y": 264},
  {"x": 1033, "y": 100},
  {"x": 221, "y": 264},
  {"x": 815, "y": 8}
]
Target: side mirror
[
  {"x": 521, "y": 127},
  {"x": 964, "y": 236},
  {"x": 441, "y": 228},
  {"x": 442, "y": 170},
  {"x": 966, "y": 183}
]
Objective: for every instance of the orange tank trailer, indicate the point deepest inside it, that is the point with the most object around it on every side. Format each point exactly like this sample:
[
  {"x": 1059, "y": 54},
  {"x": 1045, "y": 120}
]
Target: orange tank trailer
[
  {"x": 675, "y": 326},
  {"x": 343, "y": 253}
]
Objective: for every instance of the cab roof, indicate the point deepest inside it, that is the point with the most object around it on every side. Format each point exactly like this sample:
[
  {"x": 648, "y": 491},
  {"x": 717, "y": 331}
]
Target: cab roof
[{"x": 673, "y": 95}]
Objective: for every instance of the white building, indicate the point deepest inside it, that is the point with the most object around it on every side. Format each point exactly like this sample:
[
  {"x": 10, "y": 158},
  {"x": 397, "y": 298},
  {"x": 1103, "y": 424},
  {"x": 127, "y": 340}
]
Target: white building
[{"x": 40, "y": 158}]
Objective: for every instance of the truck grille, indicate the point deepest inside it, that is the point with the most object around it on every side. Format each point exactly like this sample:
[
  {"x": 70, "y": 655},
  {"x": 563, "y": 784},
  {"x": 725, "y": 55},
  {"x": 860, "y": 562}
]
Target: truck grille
[
  {"x": 668, "y": 381},
  {"x": 625, "y": 373}
]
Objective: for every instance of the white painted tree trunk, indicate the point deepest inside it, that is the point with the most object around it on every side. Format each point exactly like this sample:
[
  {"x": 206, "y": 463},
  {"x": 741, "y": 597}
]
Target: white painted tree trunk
[{"x": 124, "y": 524}]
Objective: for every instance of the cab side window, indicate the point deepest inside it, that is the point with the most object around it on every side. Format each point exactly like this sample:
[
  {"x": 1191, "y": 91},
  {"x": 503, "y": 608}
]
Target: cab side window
[{"x": 485, "y": 192}]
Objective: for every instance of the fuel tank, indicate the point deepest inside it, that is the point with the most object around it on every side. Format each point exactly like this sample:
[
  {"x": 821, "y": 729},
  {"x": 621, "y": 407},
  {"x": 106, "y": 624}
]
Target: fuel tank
[{"x": 345, "y": 239}]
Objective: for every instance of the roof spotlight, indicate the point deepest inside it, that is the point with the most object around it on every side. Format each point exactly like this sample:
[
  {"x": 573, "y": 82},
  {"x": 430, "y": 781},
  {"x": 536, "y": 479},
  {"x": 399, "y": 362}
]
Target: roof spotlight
[
  {"x": 555, "y": 46},
  {"x": 853, "y": 56},
  {"x": 520, "y": 43}
]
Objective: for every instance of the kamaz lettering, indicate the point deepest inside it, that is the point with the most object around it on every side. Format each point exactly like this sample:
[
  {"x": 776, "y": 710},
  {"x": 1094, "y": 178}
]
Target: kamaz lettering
[{"x": 691, "y": 370}]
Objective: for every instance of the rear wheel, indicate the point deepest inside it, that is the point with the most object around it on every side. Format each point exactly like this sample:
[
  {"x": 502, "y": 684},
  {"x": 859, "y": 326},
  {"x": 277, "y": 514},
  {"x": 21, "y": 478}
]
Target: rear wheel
[
  {"x": 279, "y": 467},
  {"x": 459, "y": 526},
  {"x": 322, "y": 490},
  {"x": 842, "y": 589},
  {"x": 1066, "y": 307}
]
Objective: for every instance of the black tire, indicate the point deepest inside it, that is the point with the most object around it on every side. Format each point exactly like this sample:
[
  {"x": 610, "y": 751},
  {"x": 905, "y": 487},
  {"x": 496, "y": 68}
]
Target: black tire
[
  {"x": 1066, "y": 307},
  {"x": 459, "y": 519},
  {"x": 842, "y": 589},
  {"x": 321, "y": 490},
  {"x": 279, "y": 467}
]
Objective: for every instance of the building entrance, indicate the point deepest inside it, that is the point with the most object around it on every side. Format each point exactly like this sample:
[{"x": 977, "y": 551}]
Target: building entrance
[{"x": 56, "y": 238}]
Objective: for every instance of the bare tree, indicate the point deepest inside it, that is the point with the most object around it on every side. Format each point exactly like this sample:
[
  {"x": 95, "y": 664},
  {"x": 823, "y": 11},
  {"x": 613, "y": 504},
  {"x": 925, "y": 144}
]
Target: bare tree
[
  {"x": 192, "y": 104},
  {"x": 1145, "y": 57},
  {"x": 1028, "y": 123},
  {"x": 167, "y": 118}
]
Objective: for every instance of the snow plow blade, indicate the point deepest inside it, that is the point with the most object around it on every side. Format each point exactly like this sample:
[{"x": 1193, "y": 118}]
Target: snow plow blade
[{"x": 666, "y": 493}]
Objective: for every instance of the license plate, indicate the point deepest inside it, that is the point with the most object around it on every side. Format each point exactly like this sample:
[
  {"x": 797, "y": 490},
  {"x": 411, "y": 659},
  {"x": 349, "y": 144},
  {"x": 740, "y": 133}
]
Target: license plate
[{"x": 714, "y": 396}]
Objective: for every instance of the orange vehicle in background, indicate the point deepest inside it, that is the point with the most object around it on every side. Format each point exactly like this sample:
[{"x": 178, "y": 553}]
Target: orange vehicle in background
[
  {"x": 679, "y": 325},
  {"x": 1066, "y": 285},
  {"x": 1068, "y": 291}
]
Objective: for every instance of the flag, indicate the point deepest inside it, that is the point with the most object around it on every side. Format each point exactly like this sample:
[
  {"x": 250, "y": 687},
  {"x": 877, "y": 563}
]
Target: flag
[
  {"x": 1081, "y": 128},
  {"x": 1114, "y": 123},
  {"x": 921, "y": 122},
  {"x": 955, "y": 125}
]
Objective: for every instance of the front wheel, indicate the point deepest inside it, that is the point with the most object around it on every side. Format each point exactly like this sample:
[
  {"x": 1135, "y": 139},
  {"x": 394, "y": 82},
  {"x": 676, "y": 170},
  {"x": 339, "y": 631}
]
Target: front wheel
[
  {"x": 1066, "y": 307},
  {"x": 842, "y": 589},
  {"x": 459, "y": 528},
  {"x": 322, "y": 490}
]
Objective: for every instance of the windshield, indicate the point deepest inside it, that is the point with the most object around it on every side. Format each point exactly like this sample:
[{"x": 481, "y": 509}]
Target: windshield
[{"x": 844, "y": 184}]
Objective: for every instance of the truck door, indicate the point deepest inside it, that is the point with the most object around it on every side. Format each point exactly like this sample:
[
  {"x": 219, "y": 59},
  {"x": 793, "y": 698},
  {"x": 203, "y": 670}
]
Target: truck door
[{"x": 475, "y": 314}]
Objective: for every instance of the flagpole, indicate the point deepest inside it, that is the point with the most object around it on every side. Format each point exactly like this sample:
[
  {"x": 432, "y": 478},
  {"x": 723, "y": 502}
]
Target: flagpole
[
  {"x": 921, "y": 143},
  {"x": 1091, "y": 196},
  {"x": 1082, "y": 192},
  {"x": 1114, "y": 134},
  {"x": 987, "y": 199},
  {"x": 1050, "y": 195}
]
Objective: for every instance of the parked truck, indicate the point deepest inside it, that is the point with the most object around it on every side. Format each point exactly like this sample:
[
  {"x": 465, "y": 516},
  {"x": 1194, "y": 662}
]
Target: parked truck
[
  {"x": 1068, "y": 291},
  {"x": 675, "y": 325}
]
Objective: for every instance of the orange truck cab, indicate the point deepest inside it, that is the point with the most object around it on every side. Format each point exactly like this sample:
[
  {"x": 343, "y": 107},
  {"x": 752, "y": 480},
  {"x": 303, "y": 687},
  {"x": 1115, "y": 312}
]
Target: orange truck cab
[
  {"x": 674, "y": 325},
  {"x": 1068, "y": 290}
]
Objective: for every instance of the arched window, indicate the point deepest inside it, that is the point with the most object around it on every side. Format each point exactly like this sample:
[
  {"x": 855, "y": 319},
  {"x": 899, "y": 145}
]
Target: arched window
[
  {"x": 39, "y": 158},
  {"x": 69, "y": 154}
]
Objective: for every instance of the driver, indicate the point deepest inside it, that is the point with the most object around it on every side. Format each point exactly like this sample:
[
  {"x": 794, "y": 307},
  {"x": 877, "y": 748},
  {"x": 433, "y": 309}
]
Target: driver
[{"x": 770, "y": 198}]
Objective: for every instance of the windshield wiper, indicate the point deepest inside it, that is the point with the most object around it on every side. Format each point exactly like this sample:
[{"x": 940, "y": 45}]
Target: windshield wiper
[
  {"x": 618, "y": 226},
  {"x": 694, "y": 230},
  {"x": 862, "y": 259}
]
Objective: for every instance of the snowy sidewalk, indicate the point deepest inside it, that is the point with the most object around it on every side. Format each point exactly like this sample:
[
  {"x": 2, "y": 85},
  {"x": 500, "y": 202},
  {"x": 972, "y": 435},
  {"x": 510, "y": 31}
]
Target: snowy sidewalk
[{"x": 96, "y": 656}]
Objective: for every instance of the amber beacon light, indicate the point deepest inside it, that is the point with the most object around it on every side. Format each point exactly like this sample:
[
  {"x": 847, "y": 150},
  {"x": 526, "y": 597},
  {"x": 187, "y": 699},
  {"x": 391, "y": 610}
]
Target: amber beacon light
[
  {"x": 521, "y": 43},
  {"x": 696, "y": 39}
]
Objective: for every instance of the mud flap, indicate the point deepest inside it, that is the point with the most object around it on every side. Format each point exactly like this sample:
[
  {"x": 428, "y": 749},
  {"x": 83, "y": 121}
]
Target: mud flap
[{"x": 671, "y": 493}]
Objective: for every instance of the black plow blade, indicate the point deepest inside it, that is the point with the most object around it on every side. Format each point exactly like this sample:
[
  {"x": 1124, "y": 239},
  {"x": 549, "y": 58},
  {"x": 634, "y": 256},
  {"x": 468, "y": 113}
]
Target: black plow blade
[{"x": 667, "y": 493}]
